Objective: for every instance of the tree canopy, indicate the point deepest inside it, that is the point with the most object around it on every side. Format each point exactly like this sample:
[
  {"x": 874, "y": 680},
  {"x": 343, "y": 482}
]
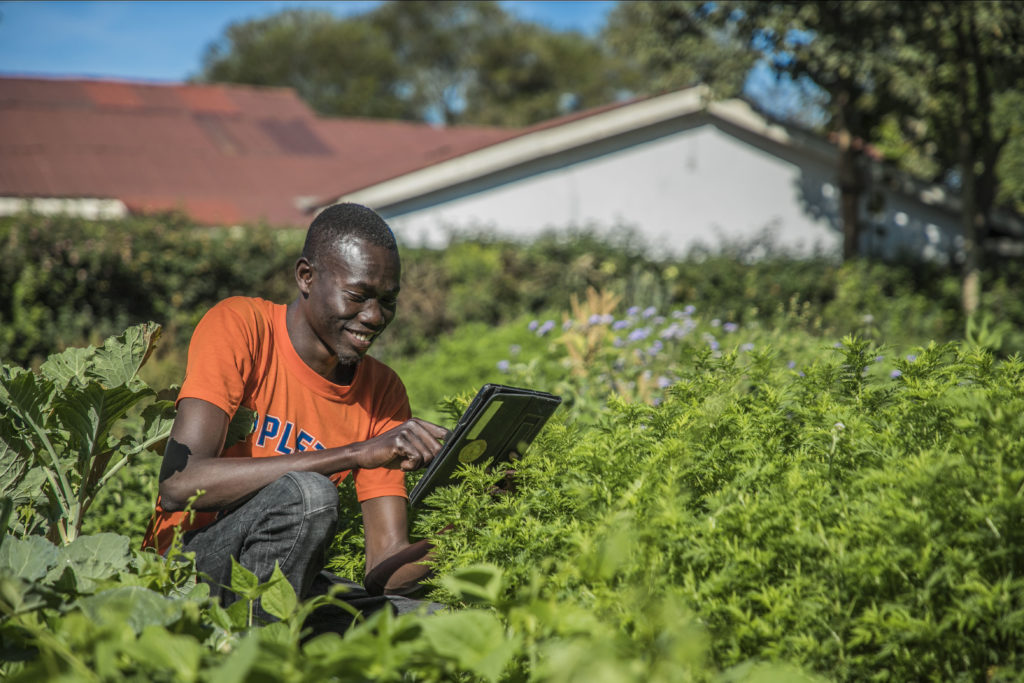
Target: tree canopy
[{"x": 443, "y": 62}]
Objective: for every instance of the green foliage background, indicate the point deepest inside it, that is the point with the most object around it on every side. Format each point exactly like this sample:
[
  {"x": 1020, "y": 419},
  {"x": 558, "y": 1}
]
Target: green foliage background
[
  {"x": 69, "y": 281},
  {"x": 761, "y": 471}
]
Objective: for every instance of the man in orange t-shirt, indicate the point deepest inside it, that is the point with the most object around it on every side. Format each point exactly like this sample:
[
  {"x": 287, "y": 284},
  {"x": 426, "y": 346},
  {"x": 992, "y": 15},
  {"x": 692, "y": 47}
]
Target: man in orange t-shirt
[{"x": 323, "y": 409}]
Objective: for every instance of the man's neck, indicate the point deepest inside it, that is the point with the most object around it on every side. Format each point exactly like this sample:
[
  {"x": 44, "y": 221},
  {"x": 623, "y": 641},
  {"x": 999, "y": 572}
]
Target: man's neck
[{"x": 313, "y": 352}]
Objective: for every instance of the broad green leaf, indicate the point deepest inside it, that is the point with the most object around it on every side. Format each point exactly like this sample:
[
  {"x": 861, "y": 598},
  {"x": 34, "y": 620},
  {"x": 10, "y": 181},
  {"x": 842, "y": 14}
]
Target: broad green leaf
[
  {"x": 27, "y": 396},
  {"x": 29, "y": 558},
  {"x": 16, "y": 595},
  {"x": 7, "y": 374},
  {"x": 474, "y": 639},
  {"x": 238, "y": 614},
  {"x": 323, "y": 646},
  {"x": 478, "y": 583},
  {"x": 70, "y": 365},
  {"x": 157, "y": 420},
  {"x": 134, "y": 605},
  {"x": 159, "y": 651},
  {"x": 279, "y": 599},
  {"x": 93, "y": 558},
  {"x": 243, "y": 581},
  {"x": 117, "y": 362},
  {"x": 6, "y": 507},
  {"x": 89, "y": 413},
  {"x": 13, "y": 465},
  {"x": 242, "y": 425},
  {"x": 220, "y": 617},
  {"x": 236, "y": 667}
]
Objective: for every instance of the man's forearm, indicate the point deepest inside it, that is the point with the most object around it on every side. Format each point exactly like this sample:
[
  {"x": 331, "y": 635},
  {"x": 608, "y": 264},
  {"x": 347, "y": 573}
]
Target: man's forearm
[{"x": 226, "y": 482}]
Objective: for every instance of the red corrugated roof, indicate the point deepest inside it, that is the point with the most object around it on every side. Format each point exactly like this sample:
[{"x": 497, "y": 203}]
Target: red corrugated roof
[{"x": 223, "y": 153}]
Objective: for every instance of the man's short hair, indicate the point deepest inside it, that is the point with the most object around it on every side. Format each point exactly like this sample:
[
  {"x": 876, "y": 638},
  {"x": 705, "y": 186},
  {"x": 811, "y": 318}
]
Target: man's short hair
[{"x": 339, "y": 221}]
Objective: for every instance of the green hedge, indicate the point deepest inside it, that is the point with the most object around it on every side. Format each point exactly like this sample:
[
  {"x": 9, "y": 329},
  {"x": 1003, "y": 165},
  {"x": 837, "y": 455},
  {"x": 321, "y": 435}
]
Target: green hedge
[
  {"x": 67, "y": 281},
  {"x": 854, "y": 517}
]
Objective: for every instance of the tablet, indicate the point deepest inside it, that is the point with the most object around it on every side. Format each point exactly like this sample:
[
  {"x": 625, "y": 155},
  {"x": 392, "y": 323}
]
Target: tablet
[{"x": 499, "y": 421}]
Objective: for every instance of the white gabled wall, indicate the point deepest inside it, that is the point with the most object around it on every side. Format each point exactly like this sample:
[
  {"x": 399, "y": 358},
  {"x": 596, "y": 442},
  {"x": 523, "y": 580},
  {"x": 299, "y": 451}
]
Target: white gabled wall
[{"x": 693, "y": 187}]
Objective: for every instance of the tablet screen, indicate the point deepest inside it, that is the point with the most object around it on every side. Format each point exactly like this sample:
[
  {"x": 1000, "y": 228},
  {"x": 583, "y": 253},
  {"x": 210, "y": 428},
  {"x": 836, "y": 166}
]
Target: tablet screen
[{"x": 500, "y": 420}]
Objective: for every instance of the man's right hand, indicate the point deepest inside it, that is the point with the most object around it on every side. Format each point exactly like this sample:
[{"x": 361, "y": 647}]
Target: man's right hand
[
  {"x": 197, "y": 438},
  {"x": 409, "y": 446}
]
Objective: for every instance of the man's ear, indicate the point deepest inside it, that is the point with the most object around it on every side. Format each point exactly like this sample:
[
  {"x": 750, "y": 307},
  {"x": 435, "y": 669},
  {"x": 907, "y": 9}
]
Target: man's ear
[{"x": 303, "y": 275}]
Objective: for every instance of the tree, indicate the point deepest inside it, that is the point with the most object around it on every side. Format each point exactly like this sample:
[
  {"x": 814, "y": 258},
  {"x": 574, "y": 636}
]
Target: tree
[
  {"x": 442, "y": 62},
  {"x": 829, "y": 43},
  {"x": 435, "y": 43},
  {"x": 529, "y": 74},
  {"x": 341, "y": 67},
  {"x": 959, "y": 75},
  {"x": 672, "y": 45}
]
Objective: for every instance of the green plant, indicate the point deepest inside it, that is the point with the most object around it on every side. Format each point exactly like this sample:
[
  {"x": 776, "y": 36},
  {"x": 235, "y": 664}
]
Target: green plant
[
  {"x": 855, "y": 516},
  {"x": 60, "y": 441}
]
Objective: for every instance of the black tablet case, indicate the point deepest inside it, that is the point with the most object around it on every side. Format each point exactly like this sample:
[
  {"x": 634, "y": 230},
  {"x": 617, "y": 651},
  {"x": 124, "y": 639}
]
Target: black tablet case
[{"x": 500, "y": 420}]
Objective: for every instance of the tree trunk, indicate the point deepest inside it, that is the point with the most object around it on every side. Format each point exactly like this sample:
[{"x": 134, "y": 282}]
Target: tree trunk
[
  {"x": 971, "y": 288},
  {"x": 850, "y": 190},
  {"x": 850, "y": 184},
  {"x": 970, "y": 219}
]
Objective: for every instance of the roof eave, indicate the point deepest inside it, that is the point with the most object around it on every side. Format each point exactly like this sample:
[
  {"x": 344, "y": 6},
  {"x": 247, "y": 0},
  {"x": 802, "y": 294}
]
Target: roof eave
[{"x": 550, "y": 141}]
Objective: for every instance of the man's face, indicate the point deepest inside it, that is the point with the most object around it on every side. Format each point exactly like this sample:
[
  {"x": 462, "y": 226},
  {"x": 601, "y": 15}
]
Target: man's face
[{"x": 352, "y": 297}]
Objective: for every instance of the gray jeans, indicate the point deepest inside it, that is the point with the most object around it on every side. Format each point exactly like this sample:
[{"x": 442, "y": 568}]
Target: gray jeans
[{"x": 292, "y": 521}]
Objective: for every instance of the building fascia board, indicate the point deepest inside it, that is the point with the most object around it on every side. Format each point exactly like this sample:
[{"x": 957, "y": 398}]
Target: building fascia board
[
  {"x": 530, "y": 146},
  {"x": 621, "y": 120}
]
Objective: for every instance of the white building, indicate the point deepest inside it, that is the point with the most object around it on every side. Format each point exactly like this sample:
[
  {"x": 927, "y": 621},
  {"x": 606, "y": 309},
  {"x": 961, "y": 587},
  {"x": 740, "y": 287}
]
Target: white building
[{"x": 683, "y": 171}]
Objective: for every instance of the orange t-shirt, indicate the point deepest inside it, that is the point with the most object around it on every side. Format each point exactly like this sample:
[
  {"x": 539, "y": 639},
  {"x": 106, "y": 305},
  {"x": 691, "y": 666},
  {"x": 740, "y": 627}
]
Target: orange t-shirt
[{"x": 240, "y": 354}]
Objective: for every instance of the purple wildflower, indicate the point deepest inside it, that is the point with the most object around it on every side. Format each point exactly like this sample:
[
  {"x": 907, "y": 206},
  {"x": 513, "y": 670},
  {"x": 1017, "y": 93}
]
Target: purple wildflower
[
  {"x": 533, "y": 325},
  {"x": 895, "y": 373},
  {"x": 639, "y": 334},
  {"x": 911, "y": 358},
  {"x": 791, "y": 364},
  {"x": 632, "y": 311},
  {"x": 716, "y": 322},
  {"x": 749, "y": 346},
  {"x": 664, "y": 382},
  {"x": 655, "y": 348},
  {"x": 514, "y": 349},
  {"x": 607, "y": 319},
  {"x": 730, "y": 327},
  {"x": 503, "y": 365},
  {"x": 649, "y": 311},
  {"x": 690, "y": 310},
  {"x": 621, "y": 324},
  {"x": 594, "y": 319},
  {"x": 545, "y": 328}
]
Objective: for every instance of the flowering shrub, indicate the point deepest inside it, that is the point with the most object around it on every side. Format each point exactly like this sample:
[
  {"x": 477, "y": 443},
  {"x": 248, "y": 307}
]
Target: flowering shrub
[
  {"x": 853, "y": 523},
  {"x": 717, "y": 502}
]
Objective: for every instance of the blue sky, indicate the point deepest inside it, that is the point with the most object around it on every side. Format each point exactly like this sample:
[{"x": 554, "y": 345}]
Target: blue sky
[{"x": 164, "y": 41}]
